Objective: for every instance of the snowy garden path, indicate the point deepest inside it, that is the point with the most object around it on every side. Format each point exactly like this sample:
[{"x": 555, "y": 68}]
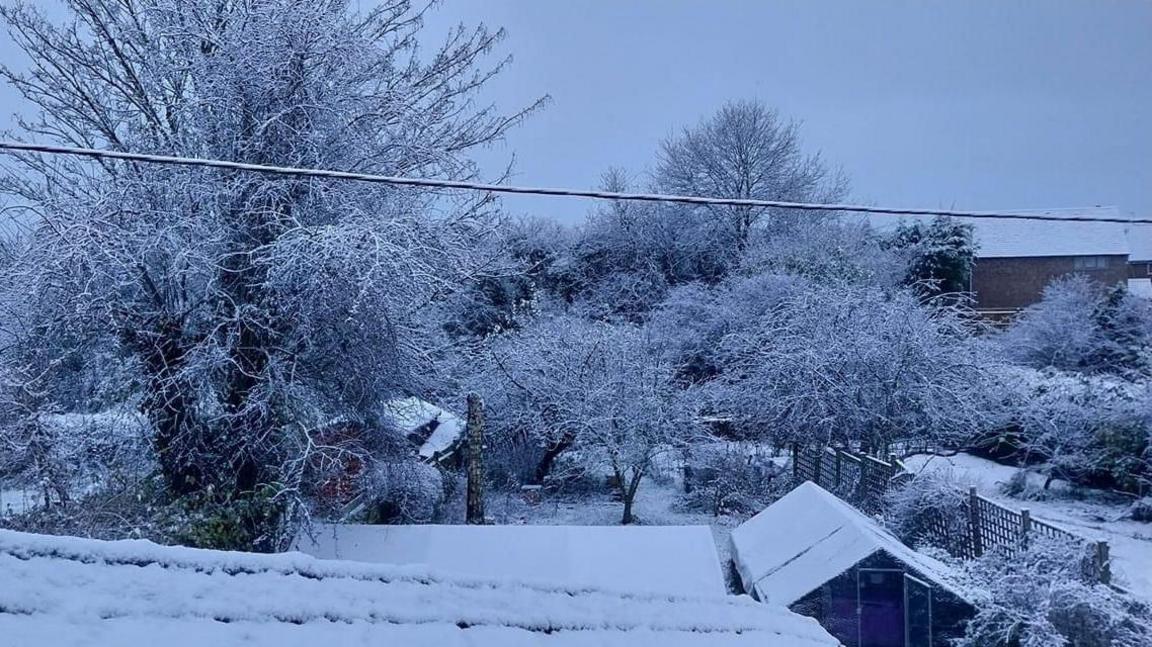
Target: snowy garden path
[{"x": 1090, "y": 517}]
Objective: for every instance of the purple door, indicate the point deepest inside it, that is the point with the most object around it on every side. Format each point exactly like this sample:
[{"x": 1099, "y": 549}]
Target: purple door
[{"x": 881, "y": 595}]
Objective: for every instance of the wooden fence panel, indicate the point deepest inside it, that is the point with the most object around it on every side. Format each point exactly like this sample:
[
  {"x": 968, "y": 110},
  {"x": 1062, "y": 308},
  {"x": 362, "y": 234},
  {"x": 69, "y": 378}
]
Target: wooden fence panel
[{"x": 981, "y": 525}]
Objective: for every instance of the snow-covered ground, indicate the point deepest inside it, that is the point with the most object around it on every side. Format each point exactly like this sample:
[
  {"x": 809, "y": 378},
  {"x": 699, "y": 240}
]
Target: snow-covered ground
[
  {"x": 82, "y": 592},
  {"x": 1094, "y": 517},
  {"x": 17, "y": 500}
]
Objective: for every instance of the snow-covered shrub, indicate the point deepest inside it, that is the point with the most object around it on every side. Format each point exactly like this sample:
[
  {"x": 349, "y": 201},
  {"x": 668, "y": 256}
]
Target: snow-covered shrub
[
  {"x": 726, "y": 479},
  {"x": 1081, "y": 325},
  {"x": 403, "y": 492},
  {"x": 1039, "y": 597},
  {"x": 1091, "y": 430},
  {"x": 1016, "y": 485},
  {"x": 1141, "y": 510},
  {"x": 248, "y": 521},
  {"x": 930, "y": 509},
  {"x": 940, "y": 255}
]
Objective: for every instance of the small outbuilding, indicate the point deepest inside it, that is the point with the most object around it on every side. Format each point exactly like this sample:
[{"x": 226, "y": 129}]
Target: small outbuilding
[
  {"x": 671, "y": 560},
  {"x": 73, "y": 592},
  {"x": 819, "y": 556},
  {"x": 435, "y": 432}
]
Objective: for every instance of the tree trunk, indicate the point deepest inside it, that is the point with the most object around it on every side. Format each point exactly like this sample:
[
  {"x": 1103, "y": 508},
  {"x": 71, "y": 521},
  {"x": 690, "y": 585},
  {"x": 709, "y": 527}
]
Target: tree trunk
[
  {"x": 628, "y": 493},
  {"x": 544, "y": 467},
  {"x": 475, "y": 432}
]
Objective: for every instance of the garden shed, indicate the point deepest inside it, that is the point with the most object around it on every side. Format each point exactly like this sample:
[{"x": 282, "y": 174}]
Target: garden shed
[
  {"x": 670, "y": 560},
  {"x": 819, "y": 556}
]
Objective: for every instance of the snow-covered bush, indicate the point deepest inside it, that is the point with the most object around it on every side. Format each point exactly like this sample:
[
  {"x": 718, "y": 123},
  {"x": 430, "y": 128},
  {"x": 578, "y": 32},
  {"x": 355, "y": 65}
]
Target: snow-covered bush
[
  {"x": 727, "y": 479},
  {"x": 403, "y": 492},
  {"x": 1092, "y": 430},
  {"x": 1141, "y": 510},
  {"x": 929, "y": 510},
  {"x": 1039, "y": 597},
  {"x": 1081, "y": 325}
]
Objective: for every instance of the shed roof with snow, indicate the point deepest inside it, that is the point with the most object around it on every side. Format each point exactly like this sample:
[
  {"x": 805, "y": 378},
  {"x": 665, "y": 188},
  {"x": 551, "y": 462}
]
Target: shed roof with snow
[
  {"x": 678, "y": 560},
  {"x": 1004, "y": 238},
  {"x": 810, "y": 536},
  {"x": 440, "y": 430},
  {"x": 71, "y": 592}
]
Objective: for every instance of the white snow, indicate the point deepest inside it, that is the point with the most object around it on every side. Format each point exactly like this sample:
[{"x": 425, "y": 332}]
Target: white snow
[
  {"x": 1141, "y": 287},
  {"x": 678, "y": 560},
  {"x": 1140, "y": 242},
  {"x": 1130, "y": 542},
  {"x": 409, "y": 414},
  {"x": 810, "y": 536},
  {"x": 71, "y": 591}
]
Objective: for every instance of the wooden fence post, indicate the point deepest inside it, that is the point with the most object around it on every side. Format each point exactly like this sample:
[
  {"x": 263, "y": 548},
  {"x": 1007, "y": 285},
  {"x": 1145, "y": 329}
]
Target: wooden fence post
[
  {"x": 839, "y": 453},
  {"x": 796, "y": 462},
  {"x": 1025, "y": 525},
  {"x": 816, "y": 467},
  {"x": 974, "y": 530},
  {"x": 1103, "y": 563},
  {"x": 475, "y": 431}
]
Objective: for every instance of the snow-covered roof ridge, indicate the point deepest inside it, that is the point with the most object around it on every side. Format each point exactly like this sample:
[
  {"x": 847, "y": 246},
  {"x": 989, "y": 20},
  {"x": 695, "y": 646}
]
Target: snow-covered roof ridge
[
  {"x": 66, "y": 590},
  {"x": 810, "y": 536},
  {"x": 1004, "y": 238}
]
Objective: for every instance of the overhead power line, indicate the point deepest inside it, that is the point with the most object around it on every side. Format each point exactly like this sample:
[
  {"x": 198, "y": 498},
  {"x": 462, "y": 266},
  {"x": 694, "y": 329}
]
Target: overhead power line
[{"x": 546, "y": 191}]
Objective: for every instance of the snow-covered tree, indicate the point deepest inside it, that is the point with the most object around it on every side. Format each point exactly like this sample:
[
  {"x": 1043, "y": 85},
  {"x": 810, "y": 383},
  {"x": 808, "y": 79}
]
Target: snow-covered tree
[
  {"x": 745, "y": 150},
  {"x": 857, "y": 365},
  {"x": 249, "y": 307},
  {"x": 601, "y": 392},
  {"x": 940, "y": 255}
]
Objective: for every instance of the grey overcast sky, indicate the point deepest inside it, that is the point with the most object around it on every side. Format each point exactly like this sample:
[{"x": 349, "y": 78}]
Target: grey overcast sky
[{"x": 977, "y": 104}]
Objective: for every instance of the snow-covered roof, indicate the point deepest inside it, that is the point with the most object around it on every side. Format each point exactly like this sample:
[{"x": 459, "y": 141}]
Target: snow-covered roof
[
  {"x": 409, "y": 414},
  {"x": 999, "y": 238},
  {"x": 66, "y": 591},
  {"x": 810, "y": 536},
  {"x": 678, "y": 560}
]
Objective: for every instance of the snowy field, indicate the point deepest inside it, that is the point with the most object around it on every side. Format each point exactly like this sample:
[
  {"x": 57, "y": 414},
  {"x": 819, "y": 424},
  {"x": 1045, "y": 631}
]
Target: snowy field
[
  {"x": 1085, "y": 513},
  {"x": 81, "y": 592}
]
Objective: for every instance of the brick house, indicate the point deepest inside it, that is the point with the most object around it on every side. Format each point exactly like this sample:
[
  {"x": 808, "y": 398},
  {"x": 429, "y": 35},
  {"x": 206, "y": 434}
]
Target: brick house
[{"x": 1017, "y": 259}]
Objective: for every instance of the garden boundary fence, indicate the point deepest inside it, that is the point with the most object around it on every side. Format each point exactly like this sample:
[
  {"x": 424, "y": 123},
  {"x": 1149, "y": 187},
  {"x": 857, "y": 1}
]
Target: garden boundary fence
[{"x": 979, "y": 526}]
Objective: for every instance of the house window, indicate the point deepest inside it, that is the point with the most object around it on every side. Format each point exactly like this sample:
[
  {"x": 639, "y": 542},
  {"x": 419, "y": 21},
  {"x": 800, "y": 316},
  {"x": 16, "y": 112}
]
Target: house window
[{"x": 1090, "y": 262}]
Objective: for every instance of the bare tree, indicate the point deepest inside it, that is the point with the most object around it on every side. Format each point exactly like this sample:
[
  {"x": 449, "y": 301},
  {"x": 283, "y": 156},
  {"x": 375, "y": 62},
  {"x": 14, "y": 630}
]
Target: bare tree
[
  {"x": 746, "y": 150},
  {"x": 250, "y": 308}
]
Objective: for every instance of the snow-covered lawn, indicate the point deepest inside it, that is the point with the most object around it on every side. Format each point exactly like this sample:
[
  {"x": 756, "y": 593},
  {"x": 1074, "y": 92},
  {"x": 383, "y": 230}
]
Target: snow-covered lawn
[
  {"x": 1091, "y": 515},
  {"x": 17, "y": 500}
]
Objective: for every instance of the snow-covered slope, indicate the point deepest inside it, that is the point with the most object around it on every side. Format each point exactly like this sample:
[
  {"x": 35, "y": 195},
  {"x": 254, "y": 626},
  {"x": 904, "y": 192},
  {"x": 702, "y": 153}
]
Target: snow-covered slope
[{"x": 70, "y": 591}]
